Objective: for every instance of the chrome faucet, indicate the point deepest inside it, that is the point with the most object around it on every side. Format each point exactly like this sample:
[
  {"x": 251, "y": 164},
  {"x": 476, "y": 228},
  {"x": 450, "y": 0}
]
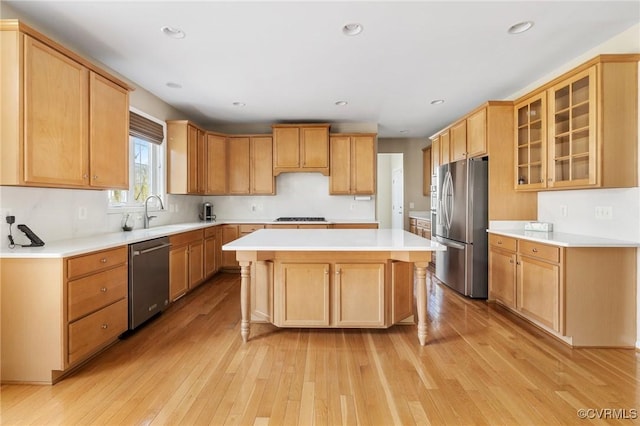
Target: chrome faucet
[{"x": 148, "y": 218}]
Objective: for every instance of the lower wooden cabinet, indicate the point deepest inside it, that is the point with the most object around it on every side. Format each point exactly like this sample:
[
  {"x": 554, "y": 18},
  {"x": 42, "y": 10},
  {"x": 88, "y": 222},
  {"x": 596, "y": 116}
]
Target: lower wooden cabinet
[
  {"x": 420, "y": 227},
  {"x": 583, "y": 295},
  {"x": 81, "y": 310},
  {"x": 212, "y": 250},
  {"x": 331, "y": 294},
  {"x": 186, "y": 262}
]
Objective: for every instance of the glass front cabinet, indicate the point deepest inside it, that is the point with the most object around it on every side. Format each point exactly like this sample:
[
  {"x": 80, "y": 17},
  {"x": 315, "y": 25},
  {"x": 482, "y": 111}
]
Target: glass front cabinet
[{"x": 581, "y": 129}]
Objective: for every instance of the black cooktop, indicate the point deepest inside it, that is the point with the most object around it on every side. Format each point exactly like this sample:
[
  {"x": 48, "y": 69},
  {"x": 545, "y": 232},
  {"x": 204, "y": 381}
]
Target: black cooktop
[{"x": 301, "y": 219}]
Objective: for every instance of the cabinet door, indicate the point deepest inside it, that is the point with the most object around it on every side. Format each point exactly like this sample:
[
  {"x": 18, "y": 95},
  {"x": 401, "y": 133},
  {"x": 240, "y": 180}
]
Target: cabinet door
[
  {"x": 262, "y": 180},
  {"x": 202, "y": 162},
  {"x": 196, "y": 263},
  {"x": 56, "y": 147},
  {"x": 572, "y": 131},
  {"x": 435, "y": 155},
  {"x": 210, "y": 264},
  {"x": 229, "y": 233},
  {"x": 477, "y": 134},
  {"x": 539, "y": 291},
  {"x": 531, "y": 143},
  {"x": 458, "y": 147},
  {"x": 340, "y": 176},
  {"x": 301, "y": 295},
  {"x": 216, "y": 164},
  {"x": 426, "y": 171},
  {"x": 363, "y": 160},
  {"x": 444, "y": 148},
  {"x": 359, "y": 297},
  {"x": 314, "y": 147},
  {"x": 192, "y": 159},
  {"x": 109, "y": 133},
  {"x": 239, "y": 165},
  {"x": 286, "y": 147},
  {"x": 401, "y": 291},
  {"x": 502, "y": 276},
  {"x": 178, "y": 271}
]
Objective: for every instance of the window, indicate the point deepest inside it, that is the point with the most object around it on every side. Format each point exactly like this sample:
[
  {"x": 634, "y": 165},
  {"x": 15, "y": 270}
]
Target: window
[{"x": 146, "y": 162}]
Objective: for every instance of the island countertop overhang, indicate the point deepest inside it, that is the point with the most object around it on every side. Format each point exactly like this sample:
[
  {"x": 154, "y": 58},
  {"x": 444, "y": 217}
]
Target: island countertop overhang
[{"x": 343, "y": 240}]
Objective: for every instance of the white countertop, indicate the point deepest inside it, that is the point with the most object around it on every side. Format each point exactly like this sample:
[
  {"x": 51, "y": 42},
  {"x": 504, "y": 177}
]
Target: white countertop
[
  {"x": 424, "y": 215},
  {"x": 81, "y": 245},
  {"x": 332, "y": 240},
  {"x": 563, "y": 239}
]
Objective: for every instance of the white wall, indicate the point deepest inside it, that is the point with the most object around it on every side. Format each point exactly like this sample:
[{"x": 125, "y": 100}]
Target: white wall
[
  {"x": 386, "y": 164},
  {"x": 581, "y": 205}
]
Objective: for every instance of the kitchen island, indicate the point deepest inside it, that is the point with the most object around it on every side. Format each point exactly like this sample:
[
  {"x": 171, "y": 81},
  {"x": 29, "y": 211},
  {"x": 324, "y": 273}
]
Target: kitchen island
[{"x": 361, "y": 278}]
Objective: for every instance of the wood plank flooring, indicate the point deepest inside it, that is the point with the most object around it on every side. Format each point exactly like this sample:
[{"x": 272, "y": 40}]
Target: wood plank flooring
[{"x": 481, "y": 366}]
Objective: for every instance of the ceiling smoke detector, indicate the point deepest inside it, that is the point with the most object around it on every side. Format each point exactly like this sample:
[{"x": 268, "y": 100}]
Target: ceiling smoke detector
[
  {"x": 341, "y": 103},
  {"x": 520, "y": 27},
  {"x": 352, "y": 29},
  {"x": 173, "y": 85},
  {"x": 173, "y": 32},
  {"x": 437, "y": 101}
]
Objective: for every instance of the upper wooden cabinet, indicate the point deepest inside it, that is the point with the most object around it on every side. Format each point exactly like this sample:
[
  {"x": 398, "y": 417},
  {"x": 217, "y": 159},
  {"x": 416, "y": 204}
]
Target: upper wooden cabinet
[
  {"x": 458, "y": 141},
  {"x": 353, "y": 164},
  {"x": 301, "y": 148},
  {"x": 250, "y": 166},
  {"x": 435, "y": 154},
  {"x": 73, "y": 133},
  {"x": 445, "y": 146},
  {"x": 216, "y": 164},
  {"x": 426, "y": 171},
  {"x": 477, "y": 134},
  {"x": 186, "y": 171},
  {"x": 589, "y": 136}
]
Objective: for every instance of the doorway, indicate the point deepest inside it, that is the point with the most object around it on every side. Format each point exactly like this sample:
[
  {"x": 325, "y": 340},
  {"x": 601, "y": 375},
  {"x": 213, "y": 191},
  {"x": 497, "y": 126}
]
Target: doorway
[{"x": 390, "y": 191}]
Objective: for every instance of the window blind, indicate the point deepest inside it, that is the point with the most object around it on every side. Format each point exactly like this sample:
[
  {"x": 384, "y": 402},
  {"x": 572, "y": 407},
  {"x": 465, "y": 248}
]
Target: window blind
[{"x": 146, "y": 129}]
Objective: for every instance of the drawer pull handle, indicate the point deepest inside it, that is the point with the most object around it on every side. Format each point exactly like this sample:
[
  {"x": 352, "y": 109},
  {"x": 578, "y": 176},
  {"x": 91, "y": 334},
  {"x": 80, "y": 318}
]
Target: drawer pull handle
[
  {"x": 103, "y": 260},
  {"x": 499, "y": 242},
  {"x": 105, "y": 326},
  {"x": 103, "y": 289},
  {"x": 535, "y": 250},
  {"x": 510, "y": 260}
]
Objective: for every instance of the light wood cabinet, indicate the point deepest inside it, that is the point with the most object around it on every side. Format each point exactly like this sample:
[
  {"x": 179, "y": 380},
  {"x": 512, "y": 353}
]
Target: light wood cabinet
[
  {"x": 458, "y": 141},
  {"x": 582, "y": 295},
  {"x": 81, "y": 310},
  {"x": 401, "y": 291},
  {"x": 477, "y": 134},
  {"x": 301, "y": 295},
  {"x": 261, "y": 176},
  {"x": 435, "y": 153},
  {"x": 586, "y": 135},
  {"x": 229, "y": 233},
  {"x": 186, "y": 262},
  {"x": 212, "y": 250},
  {"x": 186, "y": 158},
  {"x": 445, "y": 147},
  {"x": 420, "y": 227},
  {"x": 301, "y": 148},
  {"x": 426, "y": 171},
  {"x": 239, "y": 165},
  {"x": 359, "y": 295},
  {"x": 73, "y": 133},
  {"x": 353, "y": 164},
  {"x": 216, "y": 164}
]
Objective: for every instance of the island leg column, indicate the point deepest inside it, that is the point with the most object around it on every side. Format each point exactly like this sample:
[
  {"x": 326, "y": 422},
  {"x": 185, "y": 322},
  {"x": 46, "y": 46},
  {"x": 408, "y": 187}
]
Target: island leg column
[
  {"x": 245, "y": 299},
  {"x": 421, "y": 277}
]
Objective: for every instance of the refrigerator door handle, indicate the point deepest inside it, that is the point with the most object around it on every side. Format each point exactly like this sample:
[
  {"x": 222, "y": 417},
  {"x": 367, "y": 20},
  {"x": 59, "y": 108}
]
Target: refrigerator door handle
[
  {"x": 452, "y": 244},
  {"x": 448, "y": 200}
]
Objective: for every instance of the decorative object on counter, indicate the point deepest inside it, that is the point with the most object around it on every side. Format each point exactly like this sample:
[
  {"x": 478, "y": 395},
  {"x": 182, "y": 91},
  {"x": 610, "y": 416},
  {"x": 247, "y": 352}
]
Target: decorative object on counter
[
  {"x": 538, "y": 226},
  {"x": 125, "y": 222},
  {"x": 206, "y": 212},
  {"x": 11, "y": 220}
]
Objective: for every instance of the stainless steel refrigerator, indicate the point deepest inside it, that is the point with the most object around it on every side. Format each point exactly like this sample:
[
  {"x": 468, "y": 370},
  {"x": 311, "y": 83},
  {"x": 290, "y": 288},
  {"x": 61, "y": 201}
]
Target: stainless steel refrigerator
[{"x": 461, "y": 226}]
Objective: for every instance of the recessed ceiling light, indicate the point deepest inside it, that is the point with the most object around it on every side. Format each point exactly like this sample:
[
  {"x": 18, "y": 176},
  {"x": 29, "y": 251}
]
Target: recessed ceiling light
[
  {"x": 437, "y": 101},
  {"x": 520, "y": 27},
  {"x": 239, "y": 104},
  {"x": 341, "y": 103},
  {"x": 352, "y": 29},
  {"x": 173, "y": 32},
  {"x": 404, "y": 131},
  {"x": 174, "y": 85}
]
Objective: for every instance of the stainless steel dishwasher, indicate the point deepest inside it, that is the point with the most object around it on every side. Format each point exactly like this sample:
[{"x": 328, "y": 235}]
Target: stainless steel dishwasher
[{"x": 148, "y": 279}]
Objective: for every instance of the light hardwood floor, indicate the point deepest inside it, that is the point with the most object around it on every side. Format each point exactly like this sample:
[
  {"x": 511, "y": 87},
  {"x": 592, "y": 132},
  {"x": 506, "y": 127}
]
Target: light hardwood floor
[{"x": 481, "y": 365}]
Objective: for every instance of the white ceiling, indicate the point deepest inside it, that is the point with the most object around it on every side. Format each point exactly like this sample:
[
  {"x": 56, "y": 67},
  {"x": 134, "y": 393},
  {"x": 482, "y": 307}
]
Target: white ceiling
[{"x": 289, "y": 61}]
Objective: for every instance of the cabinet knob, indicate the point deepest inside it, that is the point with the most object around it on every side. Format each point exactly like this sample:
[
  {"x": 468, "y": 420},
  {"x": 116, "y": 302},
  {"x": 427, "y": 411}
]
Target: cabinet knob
[
  {"x": 103, "y": 289},
  {"x": 499, "y": 242},
  {"x": 103, "y": 260},
  {"x": 95, "y": 177},
  {"x": 535, "y": 250},
  {"x": 104, "y": 326},
  {"x": 338, "y": 272},
  {"x": 85, "y": 176}
]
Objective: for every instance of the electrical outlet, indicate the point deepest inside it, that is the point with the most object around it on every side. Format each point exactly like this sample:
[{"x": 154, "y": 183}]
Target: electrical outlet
[
  {"x": 604, "y": 212},
  {"x": 82, "y": 213},
  {"x": 563, "y": 210},
  {"x": 411, "y": 205}
]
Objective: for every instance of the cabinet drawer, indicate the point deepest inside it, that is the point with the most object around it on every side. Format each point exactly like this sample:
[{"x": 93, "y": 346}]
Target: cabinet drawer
[
  {"x": 96, "y": 262},
  {"x": 503, "y": 242},
  {"x": 541, "y": 251},
  {"x": 210, "y": 232},
  {"x": 97, "y": 330},
  {"x": 186, "y": 237},
  {"x": 247, "y": 229},
  {"x": 426, "y": 224},
  {"x": 91, "y": 293}
]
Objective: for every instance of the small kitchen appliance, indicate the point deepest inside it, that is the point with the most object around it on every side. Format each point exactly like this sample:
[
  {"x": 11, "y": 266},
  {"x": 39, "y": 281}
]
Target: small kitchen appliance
[{"x": 206, "y": 212}]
